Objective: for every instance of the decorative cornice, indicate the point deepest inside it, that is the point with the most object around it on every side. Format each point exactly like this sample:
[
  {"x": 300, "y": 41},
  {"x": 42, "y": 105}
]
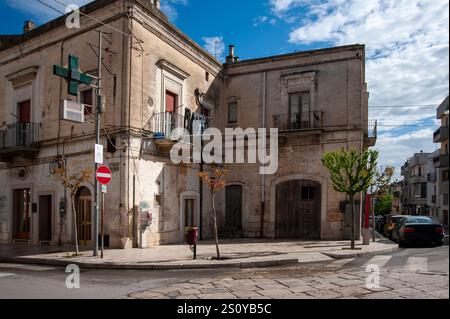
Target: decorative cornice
[{"x": 169, "y": 67}]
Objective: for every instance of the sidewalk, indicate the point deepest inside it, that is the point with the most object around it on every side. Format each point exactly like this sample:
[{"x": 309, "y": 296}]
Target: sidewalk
[{"x": 239, "y": 253}]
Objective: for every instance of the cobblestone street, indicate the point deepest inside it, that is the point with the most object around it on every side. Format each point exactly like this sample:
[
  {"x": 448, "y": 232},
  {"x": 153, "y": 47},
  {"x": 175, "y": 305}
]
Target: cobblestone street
[{"x": 294, "y": 283}]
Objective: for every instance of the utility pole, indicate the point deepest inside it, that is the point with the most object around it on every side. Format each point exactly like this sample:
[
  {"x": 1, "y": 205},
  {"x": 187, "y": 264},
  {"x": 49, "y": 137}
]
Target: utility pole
[{"x": 97, "y": 141}]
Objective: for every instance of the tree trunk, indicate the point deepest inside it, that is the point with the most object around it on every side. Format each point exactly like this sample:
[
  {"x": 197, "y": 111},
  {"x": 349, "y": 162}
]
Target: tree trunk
[
  {"x": 352, "y": 203},
  {"x": 215, "y": 225},
  {"x": 74, "y": 212}
]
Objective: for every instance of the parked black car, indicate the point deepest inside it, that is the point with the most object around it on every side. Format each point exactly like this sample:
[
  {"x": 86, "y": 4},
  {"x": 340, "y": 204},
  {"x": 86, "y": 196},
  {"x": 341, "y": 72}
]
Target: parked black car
[
  {"x": 420, "y": 230},
  {"x": 397, "y": 221}
]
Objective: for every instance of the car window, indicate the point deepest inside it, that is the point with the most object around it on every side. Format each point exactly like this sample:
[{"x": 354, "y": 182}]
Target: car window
[{"x": 420, "y": 220}]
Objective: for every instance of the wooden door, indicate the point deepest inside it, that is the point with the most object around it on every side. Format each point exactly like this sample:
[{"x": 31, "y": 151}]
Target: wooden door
[
  {"x": 45, "y": 218},
  {"x": 233, "y": 209},
  {"x": 24, "y": 109},
  {"x": 298, "y": 209},
  {"x": 84, "y": 216},
  {"x": 21, "y": 214}
]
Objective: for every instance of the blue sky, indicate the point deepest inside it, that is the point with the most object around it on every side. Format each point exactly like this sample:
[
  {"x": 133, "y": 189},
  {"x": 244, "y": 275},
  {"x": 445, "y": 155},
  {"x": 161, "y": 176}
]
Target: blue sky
[{"x": 407, "y": 43}]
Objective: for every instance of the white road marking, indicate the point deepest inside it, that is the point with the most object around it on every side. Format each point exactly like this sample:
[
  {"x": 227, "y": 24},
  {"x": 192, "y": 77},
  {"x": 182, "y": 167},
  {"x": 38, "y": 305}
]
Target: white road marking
[
  {"x": 415, "y": 264},
  {"x": 380, "y": 261},
  {"x": 5, "y": 274},
  {"x": 340, "y": 263}
]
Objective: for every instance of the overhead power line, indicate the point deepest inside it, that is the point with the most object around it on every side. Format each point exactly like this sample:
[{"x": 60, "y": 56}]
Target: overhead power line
[{"x": 404, "y": 106}]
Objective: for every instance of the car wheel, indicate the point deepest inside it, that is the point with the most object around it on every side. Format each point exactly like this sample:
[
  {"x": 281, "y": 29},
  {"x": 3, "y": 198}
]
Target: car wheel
[{"x": 401, "y": 244}]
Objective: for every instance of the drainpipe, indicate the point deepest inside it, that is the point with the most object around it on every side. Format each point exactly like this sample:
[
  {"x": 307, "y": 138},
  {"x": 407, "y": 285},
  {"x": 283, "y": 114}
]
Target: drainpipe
[
  {"x": 200, "y": 181},
  {"x": 263, "y": 177}
]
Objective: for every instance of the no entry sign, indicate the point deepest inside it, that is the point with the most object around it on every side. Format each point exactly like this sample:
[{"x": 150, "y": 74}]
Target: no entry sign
[{"x": 104, "y": 175}]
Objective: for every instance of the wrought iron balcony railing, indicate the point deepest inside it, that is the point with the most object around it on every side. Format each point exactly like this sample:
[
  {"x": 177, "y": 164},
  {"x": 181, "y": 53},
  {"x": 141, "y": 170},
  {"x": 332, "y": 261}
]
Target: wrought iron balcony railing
[
  {"x": 24, "y": 136},
  {"x": 299, "y": 121}
]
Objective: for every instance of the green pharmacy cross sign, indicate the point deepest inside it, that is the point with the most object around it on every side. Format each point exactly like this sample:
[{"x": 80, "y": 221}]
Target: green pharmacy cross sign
[{"x": 74, "y": 76}]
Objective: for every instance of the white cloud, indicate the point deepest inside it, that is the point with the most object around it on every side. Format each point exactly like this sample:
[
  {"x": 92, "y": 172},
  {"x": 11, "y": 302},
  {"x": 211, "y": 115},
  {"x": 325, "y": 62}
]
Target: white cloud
[
  {"x": 215, "y": 46},
  {"x": 407, "y": 46},
  {"x": 168, "y": 7},
  {"x": 40, "y": 12},
  {"x": 261, "y": 20}
]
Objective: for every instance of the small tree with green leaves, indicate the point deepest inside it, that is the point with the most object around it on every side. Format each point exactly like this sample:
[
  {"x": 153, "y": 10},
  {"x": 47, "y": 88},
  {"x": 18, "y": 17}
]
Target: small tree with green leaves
[
  {"x": 351, "y": 172},
  {"x": 73, "y": 183},
  {"x": 215, "y": 182},
  {"x": 379, "y": 188}
]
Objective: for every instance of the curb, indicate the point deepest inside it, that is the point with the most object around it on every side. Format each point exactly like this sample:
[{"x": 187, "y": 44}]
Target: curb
[
  {"x": 160, "y": 266},
  {"x": 360, "y": 254}
]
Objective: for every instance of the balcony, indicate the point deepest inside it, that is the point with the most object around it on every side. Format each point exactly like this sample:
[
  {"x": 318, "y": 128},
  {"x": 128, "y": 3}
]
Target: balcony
[
  {"x": 298, "y": 121},
  {"x": 372, "y": 133},
  {"x": 440, "y": 161},
  {"x": 442, "y": 109},
  {"x": 162, "y": 125},
  {"x": 440, "y": 135},
  {"x": 19, "y": 139}
]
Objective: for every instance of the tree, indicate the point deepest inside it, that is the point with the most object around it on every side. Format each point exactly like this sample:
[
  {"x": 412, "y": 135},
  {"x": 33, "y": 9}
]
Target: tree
[
  {"x": 381, "y": 181},
  {"x": 215, "y": 182},
  {"x": 379, "y": 188},
  {"x": 73, "y": 184},
  {"x": 384, "y": 204},
  {"x": 351, "y": 172}
]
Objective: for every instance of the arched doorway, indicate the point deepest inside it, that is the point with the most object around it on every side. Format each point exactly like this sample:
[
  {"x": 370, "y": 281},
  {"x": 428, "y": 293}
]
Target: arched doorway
[
  {"x": 233, "y": 211},
  {"x": 298, "y": 209},
  {"x": 83, "y": 206}
]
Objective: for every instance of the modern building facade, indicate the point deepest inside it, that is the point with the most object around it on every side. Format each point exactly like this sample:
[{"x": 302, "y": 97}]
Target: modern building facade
[
  {"x": 415, "y": 184},
  {"x": 155, "y": 79},
  {"x": 440, "y": 162}
]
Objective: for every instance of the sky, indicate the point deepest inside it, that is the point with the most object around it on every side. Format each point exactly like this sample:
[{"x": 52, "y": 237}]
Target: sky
[{"x": 407, "y": 49}]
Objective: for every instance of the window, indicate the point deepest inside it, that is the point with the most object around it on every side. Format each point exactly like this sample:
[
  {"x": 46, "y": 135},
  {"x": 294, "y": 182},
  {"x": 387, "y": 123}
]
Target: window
[
  {"x": 423, "y": 190},
  {"x": 299, "y": 110},
  {"x": 232, "y": 112},
  {"x": 420, "y": 170},
  {"x": 158, "y": 200},
  {"x": 111, "y": 145},
  {"x": 207, "y": 76},
  {"x": 87, "y": 98},
  {"x": 445, "y": 176},
  {"x": 445, "y": 199}
]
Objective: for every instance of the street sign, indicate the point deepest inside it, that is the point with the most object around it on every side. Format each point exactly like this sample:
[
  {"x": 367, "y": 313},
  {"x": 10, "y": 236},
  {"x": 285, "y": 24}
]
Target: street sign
[
  {"x": 104, "y": 189},
  {"x": 98, "y": 154},
  {"x": 103, "y": 175},
  {"x": 72, "y": 111}
]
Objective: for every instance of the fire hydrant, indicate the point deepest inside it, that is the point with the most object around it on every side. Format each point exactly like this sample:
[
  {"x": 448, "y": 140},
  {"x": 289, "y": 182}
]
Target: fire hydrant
[{"x": 191, "y": 237}]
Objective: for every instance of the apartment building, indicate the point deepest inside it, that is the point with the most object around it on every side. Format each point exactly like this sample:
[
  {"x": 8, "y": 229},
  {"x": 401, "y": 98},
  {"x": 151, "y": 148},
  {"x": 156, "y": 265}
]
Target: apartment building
[{"x": 440, "y": 162}]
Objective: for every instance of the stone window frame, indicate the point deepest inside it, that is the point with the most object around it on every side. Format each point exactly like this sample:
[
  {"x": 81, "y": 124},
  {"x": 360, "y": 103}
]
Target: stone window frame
[{"x": 21, "y": 80}]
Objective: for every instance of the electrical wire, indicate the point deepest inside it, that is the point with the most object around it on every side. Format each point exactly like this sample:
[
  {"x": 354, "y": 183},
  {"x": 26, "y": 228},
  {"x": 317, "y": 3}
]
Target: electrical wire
[{"x": 92, "y": 18}]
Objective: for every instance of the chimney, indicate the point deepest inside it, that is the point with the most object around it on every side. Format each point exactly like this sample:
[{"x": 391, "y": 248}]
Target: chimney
[
  {"x": 28, "y": 26},
  {"x": 231, "y": 58}
]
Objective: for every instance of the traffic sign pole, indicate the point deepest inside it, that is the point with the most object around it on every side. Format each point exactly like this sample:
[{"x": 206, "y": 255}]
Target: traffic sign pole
[
  {"x": 103, "y": 176},
  {"x": 97, "y": 141}
]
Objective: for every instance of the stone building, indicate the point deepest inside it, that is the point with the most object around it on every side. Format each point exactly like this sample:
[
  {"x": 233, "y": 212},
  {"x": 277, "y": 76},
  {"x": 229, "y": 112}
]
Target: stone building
[
  {"x": 155, "y": 79},
  {"x": 440, "y": 162}
]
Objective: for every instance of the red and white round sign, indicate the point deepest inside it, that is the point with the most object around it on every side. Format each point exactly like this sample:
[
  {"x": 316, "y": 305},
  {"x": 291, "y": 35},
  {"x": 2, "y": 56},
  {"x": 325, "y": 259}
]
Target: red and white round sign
[{"x": 104, "y": 175}]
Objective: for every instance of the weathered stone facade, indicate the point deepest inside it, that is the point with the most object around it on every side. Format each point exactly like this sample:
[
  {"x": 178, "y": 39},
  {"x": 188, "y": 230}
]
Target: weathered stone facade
[{"x": 145, "y": 65}]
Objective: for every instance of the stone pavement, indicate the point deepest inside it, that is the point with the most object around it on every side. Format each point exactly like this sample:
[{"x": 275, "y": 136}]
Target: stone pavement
[
  {"x": 239, "y": 253},
  {"x": 293, "y": 283}
]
